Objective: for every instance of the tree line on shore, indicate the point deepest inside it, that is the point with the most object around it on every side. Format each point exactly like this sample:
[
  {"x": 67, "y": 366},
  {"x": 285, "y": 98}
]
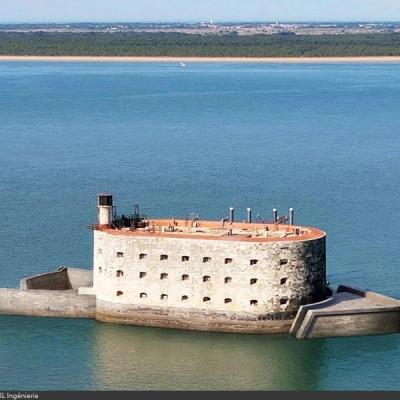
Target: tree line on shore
[{"x": 190, "y": 45}]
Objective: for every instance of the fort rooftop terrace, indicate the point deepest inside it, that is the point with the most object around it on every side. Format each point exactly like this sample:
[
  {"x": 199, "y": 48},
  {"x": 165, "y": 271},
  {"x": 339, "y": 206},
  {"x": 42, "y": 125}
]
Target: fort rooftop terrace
[{"x": 217, "y": 230}]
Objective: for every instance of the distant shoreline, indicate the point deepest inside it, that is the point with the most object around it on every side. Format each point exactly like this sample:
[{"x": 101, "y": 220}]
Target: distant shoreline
[{"x": 271, "y": 60}]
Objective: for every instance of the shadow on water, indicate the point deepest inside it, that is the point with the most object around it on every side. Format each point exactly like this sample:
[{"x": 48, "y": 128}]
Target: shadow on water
[
  {"x": 129, "y": 357},
  {"x": 68, "y": 354}
]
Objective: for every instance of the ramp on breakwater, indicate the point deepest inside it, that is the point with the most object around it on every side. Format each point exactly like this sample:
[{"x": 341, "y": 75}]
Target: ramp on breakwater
[{"x": 349, "y": 312}]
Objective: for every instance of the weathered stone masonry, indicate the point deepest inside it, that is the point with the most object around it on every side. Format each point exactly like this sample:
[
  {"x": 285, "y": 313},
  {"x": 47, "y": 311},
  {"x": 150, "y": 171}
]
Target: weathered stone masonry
[{"x": 165, "y": 281}]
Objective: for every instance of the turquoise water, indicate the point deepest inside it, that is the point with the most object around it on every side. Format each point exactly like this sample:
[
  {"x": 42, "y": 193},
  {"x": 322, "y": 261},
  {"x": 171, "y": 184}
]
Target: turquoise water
[{"x": 323, "y": 139}]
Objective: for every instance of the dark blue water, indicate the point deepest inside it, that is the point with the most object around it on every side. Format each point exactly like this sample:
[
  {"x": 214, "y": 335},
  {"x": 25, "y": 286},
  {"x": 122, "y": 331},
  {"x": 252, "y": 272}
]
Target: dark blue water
[{"x": 324, "y": 139}]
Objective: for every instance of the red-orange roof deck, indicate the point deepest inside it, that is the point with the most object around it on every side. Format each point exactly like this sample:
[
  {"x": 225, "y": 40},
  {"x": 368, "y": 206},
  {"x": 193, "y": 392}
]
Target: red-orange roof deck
[{"x": 216, "y": 230}]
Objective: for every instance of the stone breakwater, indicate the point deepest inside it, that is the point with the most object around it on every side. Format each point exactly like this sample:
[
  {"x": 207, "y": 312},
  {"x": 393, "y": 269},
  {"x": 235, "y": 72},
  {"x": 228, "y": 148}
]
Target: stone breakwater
[
  {"x": 53, "y": 294},
  {"x": 348, "y": 312},
  {"x": 47, "y": 303}
]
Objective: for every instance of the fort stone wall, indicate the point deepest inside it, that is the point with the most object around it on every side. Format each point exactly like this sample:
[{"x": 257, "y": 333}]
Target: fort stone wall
[{"x": 233, "y": 279}]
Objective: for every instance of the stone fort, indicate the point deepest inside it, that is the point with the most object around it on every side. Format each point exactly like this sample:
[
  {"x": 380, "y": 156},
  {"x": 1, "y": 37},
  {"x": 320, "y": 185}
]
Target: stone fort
[{"x": 218, "y": 275}]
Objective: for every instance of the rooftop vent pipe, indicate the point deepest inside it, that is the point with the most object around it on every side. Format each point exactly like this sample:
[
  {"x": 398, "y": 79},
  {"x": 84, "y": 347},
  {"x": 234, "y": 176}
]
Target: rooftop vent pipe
[
  {"x": 231, "y": 215},
  {"x": 275, "y": 215},
  {"x": 249, "y": 215},
  {"x": 291, "y": 216}
]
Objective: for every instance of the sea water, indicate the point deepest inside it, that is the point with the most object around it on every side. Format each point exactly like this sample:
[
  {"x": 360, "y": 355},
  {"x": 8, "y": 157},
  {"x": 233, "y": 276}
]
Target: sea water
[{"x": 321, "y": 138}]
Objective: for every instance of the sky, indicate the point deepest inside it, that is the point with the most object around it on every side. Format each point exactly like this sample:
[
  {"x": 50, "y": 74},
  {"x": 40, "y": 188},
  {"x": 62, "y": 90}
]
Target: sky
[{"x": 198, "y": 10}]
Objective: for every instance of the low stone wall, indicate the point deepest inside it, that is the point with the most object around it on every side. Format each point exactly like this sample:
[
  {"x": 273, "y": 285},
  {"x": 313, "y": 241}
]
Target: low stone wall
[
  {"x": 64, "y": 278},
  {"x": 79, "y": 277},
  {"x": 56, "y": 280},
  {"x": 47, "y": 303},
  {"x": 367, "y": 294},
  {"x": 193, "y": 319}
]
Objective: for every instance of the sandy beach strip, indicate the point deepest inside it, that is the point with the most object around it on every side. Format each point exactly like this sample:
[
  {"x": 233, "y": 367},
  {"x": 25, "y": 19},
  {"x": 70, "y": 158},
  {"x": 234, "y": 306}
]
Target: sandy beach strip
[{"x": 305, "y": 60}]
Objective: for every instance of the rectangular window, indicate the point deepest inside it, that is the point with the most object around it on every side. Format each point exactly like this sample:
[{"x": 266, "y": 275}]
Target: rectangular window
[
  {"x": 142, "y": 256},
  {"x": 120, "y": 254},
  {"x": 185, "y": 258}
]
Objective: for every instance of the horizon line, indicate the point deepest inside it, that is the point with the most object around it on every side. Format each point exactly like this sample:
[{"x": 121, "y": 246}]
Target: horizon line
[{"x": 188, "y": 21}]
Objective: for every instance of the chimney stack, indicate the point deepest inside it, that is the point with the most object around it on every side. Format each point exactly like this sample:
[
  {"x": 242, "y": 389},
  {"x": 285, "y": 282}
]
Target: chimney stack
[{"x": 104, "y": 209}]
